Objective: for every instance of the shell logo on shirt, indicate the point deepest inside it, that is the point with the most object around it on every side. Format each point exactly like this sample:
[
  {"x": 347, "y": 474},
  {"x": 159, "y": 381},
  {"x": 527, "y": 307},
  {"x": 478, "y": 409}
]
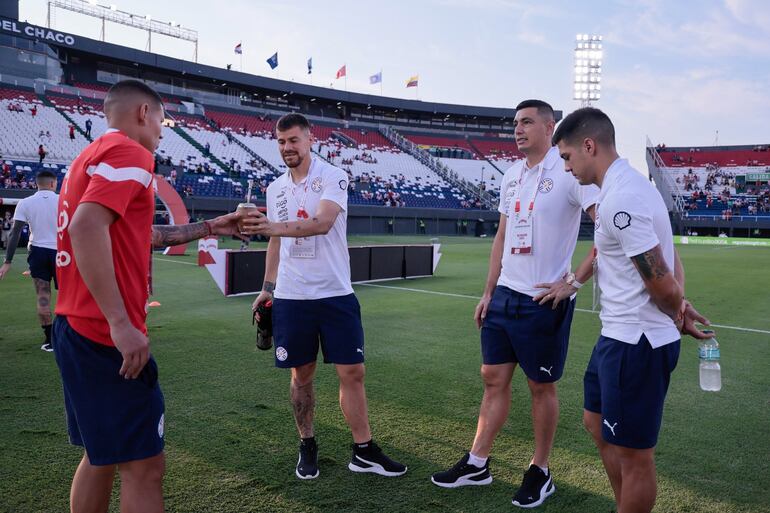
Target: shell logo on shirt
[{"x": 621, "y": 220}]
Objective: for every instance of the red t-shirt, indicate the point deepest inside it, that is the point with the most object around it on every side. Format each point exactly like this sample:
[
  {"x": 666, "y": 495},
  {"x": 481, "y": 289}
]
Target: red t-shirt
[{"x": 115, "y": 172}]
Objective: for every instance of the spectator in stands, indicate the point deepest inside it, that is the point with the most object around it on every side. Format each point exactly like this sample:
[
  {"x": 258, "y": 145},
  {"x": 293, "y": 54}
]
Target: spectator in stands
[
  {"x": 41, "y": 153},
  {"x": 72, "y": 132},
  {"x": 208, "y": 147},
  {"x": 33, "y": 111},
  {"x": 89, "y": 124}
]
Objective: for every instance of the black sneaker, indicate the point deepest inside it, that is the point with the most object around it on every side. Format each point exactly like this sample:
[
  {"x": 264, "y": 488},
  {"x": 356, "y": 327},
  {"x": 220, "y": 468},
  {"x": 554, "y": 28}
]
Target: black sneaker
[
  {"x": 372, "y": 459},
  {"x": 463, "y": 474},
  {"x": 535, "y": 488},
  {"x": 48, "y": 348},
  {"x": 307, "y": 464}
]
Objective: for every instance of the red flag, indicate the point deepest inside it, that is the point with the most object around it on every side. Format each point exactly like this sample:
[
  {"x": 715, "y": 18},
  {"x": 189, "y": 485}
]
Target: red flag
[{"x": 341, "y": 72}]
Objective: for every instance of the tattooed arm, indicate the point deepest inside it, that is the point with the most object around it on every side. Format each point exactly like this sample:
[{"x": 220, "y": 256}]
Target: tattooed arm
[
  {"x": 319, "y": 224},
  {"x": 13, "y": 241},
  {"x": 271, "y": 272},
  {"x": 171, "y": 235},
  {"x": 664, "y": 289}
]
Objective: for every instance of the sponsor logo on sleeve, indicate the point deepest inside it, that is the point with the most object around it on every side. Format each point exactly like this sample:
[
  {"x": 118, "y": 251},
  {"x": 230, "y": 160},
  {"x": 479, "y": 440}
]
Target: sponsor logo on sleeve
[{"x": 622, "y": 220}]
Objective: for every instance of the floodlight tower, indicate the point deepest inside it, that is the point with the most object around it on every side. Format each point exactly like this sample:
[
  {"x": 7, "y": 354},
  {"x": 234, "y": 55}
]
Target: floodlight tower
[
  {"x": 588, "y": 69},
  {"x": 111, "y": 13}
]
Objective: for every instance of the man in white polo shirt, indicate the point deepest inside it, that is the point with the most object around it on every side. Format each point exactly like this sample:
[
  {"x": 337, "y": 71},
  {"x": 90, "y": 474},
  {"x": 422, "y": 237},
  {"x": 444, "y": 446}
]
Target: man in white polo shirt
[
  {"x": 540, "y": 210},
  {"x": 643, "y": 310},
  {"x": 39, "y": 211},
  {"x": 307, "y": 272}
]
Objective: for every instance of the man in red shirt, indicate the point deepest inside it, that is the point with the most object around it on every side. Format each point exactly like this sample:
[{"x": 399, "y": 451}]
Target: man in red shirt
[{"x": 114, "y": 405}]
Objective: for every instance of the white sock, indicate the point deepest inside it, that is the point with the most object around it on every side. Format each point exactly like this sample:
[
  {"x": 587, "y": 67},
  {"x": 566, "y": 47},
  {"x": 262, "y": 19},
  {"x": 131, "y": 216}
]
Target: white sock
[{"x": 476, "y": 461}]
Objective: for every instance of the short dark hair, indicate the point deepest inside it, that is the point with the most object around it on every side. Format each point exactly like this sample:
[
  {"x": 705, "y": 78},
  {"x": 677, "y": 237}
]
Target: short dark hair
[
  {"x": 289, "y": 121},
  {"x": 587, "y": 122},
  {"x": 133, "y": 86},
  {"x": 543, "y": 108},
  {"x": 45, "y": 174}
]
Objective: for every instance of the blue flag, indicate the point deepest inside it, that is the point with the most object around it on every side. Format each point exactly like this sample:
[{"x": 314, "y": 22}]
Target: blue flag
[
  {"x": 309, "y": 65},
  {"x": 273, "y": 61},
  {"x": 376, "y": 78}
]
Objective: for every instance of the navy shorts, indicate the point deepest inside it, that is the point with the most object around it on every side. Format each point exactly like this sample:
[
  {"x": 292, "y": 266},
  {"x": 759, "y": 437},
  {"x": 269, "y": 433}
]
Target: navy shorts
[
  {"x": 519, "y": 330},
  {"x": 301, "y": 325},
  {"x": 42, "y": 264},
  {"x": 627, "y": 385},
  {"x": 115, "y": 419}
]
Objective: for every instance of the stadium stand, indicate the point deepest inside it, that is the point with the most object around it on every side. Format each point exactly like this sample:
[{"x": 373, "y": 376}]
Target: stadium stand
[
  {"x": 27, "y": 123},
  {"x": 715, "y": 183}
]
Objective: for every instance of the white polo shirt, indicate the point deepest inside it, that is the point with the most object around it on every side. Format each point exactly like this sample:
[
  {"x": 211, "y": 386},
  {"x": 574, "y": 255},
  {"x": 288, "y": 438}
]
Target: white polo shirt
[
  {"x": 327, "y": 274},
  {"x": 40, "y": 212},
  {"x": 631, "y": 219},
  {"x": 556, "y": 221}
]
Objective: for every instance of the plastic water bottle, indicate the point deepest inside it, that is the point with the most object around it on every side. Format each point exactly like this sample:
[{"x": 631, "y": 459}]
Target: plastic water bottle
[{"x": 710, "y": 371}]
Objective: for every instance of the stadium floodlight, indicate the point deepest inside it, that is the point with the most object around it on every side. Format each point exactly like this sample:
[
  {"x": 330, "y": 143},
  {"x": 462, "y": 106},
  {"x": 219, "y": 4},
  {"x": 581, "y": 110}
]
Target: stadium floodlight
[
  {"x": 142, "y": 22},
  {"x": 589, "y": 55}
]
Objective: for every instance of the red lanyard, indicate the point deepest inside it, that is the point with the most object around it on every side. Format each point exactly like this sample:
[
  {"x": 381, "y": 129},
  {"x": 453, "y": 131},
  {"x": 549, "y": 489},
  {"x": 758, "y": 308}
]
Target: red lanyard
[
  {"x": 301, "y": 213},
  {"x": 517, "y": 207}
]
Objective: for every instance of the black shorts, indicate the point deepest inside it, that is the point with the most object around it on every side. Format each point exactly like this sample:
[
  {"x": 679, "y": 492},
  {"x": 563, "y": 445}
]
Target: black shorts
[
  {"x": 519, "y": 330},
  {"x": 115, "y": 419},
  {"x": 42, "y": 264},
  {"x": 300, "y": 326},
  {"x": 627, "y": 385}
]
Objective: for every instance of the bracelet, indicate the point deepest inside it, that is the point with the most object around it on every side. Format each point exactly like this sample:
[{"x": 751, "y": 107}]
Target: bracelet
[{"x": 208, "y": 228}]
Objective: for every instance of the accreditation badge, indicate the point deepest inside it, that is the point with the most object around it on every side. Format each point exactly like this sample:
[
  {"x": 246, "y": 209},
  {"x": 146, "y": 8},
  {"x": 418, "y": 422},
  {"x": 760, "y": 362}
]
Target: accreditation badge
[
  {"x": 302, "y": 247},
  {"x": 522, "y": 235}
]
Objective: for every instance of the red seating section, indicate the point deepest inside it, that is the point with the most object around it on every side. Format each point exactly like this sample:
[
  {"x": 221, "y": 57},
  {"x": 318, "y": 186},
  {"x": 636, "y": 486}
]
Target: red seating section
[{"x": 722, "y": 158}]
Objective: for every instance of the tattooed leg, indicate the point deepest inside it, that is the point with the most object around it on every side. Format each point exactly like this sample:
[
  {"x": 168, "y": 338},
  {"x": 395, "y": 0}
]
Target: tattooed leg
[
  {"x": 43, "y": 291},
  {"x": 303, "y": 398}
]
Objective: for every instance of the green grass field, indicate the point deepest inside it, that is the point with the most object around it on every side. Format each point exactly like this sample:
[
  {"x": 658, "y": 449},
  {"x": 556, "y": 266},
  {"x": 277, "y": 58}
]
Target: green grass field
[{"x": 231, "y": 441}]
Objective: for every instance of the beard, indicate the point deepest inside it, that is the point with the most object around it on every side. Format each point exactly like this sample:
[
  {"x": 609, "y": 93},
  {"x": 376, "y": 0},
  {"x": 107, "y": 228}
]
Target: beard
[{"x": 299, "y": 159}]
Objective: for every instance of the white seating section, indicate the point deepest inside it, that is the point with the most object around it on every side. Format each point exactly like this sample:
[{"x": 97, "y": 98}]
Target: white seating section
[
  {"x": 470, "y": 170},
  {"x": 21, "y": 133},
  {"x": 227, "y": 151}
]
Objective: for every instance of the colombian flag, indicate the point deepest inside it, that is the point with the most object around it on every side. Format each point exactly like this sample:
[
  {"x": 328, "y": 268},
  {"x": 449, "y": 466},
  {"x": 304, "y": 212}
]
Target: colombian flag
[{"x": 412, "y": 82}]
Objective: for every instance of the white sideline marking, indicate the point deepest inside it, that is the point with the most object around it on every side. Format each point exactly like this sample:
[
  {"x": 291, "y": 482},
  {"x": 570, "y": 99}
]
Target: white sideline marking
[
  {"x": 174, "y": 261},
  {"x": 449, "y": 294},
  {"x": 737, "y": 328}
]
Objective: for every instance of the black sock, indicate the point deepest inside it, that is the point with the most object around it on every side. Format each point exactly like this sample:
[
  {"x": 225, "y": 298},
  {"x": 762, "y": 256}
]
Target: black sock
[
  {"x": 47, "y": 330},
  {"x": 308, "y": 441},
  {"x": 364, "y": 447}
]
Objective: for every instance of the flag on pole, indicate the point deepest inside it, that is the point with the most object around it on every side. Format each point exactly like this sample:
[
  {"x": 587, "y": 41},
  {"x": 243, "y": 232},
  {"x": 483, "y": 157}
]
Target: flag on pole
[
  {"x": 273, "y": 61},
  {"x": 309, "y": 66},
  {"x": 376, "y": 78},
  {"x": 412, "y": 82},
  {"x": 342, "y": 71},
  {"x": 238, "y": 49}
]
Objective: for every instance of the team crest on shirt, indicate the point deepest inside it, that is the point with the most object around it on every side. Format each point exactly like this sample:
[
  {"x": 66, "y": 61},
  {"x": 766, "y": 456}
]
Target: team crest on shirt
[
  {"x": 622, "y": 220},
  {"x": 343, "y": 185},
  {"x": 546, "y": 185},
  {"x": 316, "y": 184},
  {"x": 281, "y": 354}
]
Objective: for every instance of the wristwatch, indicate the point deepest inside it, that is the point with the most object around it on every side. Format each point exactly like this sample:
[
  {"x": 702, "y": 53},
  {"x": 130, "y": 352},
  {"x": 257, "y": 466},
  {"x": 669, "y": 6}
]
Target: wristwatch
[{"x": 571, "y": 280}]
